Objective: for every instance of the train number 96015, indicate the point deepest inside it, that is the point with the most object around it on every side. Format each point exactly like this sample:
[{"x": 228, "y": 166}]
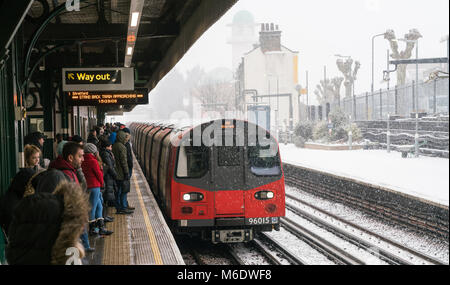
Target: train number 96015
[{"x": 262, "y": 221}]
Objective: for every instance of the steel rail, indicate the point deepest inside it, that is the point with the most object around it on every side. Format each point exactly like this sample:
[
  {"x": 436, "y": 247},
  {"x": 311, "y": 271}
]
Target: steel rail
[
  {"x": 378, "y": 236},
  {"x": 320, "y": 244},
  {"x": 287, "y": 254}
]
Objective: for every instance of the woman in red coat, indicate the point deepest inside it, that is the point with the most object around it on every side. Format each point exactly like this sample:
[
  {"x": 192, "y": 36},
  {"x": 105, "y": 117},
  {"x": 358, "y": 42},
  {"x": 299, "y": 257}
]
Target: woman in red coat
[{"x": 94, "y": 181}]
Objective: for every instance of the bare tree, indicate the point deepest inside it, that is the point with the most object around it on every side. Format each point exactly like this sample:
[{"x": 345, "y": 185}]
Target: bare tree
[
  {"x": 349, "y": 74},
  {"x": 412, "y": 35}
]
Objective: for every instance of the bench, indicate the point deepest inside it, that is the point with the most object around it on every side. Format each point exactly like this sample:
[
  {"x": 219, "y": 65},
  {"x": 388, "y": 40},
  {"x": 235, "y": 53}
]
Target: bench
[{"x": 408, "y": 150}]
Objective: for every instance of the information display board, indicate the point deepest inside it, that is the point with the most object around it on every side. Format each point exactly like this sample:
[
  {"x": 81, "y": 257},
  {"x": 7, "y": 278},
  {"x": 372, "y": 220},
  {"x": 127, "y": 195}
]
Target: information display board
[{"x": 96, "y": 98}]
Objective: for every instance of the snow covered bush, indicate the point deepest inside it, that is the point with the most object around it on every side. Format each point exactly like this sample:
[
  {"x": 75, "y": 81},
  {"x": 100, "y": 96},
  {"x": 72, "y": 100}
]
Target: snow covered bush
[
  {"x": 338, "y": 118},
  {"x": 356, "y": 132},
  {"x": 320, "y": 132},
  {"x": 299, "y": 141},
  {"x": 304, "y": 130}
]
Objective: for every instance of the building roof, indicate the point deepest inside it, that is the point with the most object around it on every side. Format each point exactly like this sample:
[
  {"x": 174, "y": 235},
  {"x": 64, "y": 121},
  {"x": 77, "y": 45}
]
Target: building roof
[{"x": 243, "y": 17}]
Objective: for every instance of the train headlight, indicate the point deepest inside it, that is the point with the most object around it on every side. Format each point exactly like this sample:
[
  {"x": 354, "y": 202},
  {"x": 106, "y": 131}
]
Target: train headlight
[
  {"x": 264, "y": 195},
  {"x": 193, "y": 197}
]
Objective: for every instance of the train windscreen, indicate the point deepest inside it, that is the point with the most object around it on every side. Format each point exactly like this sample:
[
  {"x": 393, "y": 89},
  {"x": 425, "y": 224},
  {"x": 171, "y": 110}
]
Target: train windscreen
[
  {"x": 263, "y": 162},
  {"x": 192, "y": 161}
]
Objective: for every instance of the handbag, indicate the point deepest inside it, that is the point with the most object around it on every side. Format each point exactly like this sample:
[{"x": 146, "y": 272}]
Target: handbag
[{"x": 126, "y": 186}]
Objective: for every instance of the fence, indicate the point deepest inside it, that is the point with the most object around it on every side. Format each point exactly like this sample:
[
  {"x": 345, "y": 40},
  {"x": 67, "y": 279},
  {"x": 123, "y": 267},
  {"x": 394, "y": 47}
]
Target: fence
[{"x": 399, "y": 100}]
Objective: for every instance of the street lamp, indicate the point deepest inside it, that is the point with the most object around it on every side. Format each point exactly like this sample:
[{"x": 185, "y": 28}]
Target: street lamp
[
  {"x": 416, "y": 137},
  {"x": 445, "y": 38},
  {"x": 373, "y": 56}
]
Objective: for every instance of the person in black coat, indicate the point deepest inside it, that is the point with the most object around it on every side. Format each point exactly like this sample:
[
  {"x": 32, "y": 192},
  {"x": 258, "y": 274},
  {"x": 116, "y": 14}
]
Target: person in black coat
[
  {"x": 45, "y": 225},
  {"x": 14, "y": 194},
  {"x": 129, "y": 153},
  {"x": 109, "y": 171},
  {"x": 129, "y": 159}
]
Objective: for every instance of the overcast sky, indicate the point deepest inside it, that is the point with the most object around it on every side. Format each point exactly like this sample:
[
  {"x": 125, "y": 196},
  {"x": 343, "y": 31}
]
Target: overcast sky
[{"x": 319, "y": 29}]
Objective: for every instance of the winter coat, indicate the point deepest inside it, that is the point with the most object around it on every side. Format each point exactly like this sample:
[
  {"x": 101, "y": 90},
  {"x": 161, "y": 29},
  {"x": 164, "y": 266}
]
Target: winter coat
[
  {"x": 113, "y": 137},
  {"x": 109, "y": 173},
  {"x": 61, "y": 164},
  {"x": 82, "y": 179},
  {"x": 92, "y": 171},
  {"x": 120, "y": 153},
  {"x": 14, "y": 194},
  {"x": 45, "y": 225},
  {"x": 129, "y": 155}
]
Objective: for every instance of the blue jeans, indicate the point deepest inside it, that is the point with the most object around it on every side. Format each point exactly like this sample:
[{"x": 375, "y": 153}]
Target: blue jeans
[
  {"x": 95, "y": 199},
  {"x": 85, "y": 239},
  {"x": 121, "y": 197}
]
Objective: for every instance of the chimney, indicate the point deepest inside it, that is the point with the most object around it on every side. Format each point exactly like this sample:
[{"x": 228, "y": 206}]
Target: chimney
[{"x": 270, "y": 37}]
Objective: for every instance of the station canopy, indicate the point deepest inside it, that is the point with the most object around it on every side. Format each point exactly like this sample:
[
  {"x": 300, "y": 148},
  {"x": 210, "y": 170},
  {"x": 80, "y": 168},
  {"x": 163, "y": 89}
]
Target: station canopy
[{"x": 167, "y": 29}]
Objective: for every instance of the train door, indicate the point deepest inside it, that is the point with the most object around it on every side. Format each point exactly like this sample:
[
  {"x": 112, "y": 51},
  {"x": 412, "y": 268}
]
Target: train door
[{"x": 227, "y": 175}]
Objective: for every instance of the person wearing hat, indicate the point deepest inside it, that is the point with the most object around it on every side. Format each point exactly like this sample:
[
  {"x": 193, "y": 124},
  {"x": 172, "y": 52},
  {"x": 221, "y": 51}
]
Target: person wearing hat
[{"x": 94, "y": 180}]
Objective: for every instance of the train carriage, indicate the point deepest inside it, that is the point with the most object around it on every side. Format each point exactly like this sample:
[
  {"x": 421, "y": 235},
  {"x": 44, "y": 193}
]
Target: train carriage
[{"x": 222, "y": 179}]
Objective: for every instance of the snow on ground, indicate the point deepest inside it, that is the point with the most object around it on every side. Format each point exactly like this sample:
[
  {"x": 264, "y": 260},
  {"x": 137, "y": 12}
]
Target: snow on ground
[{"x": 424, "y": 177}]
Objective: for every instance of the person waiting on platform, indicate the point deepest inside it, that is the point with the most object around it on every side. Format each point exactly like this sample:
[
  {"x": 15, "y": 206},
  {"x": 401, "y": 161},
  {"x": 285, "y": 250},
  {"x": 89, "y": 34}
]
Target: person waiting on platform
[
  {"x": 92, "y": 137},
  {"x": 94, "y": 179},
  {"x": 129, "y": 158},
  {"x": 32, "y": 157},
  {"x": 46, "y": 224},
  {"x": 109, "y": 172},
  {"x": 123, "y": 176},
  {"x": 36, "y": 139},
  {"x": 58, "y": 140},
  {"x": 69, "y": 163}
]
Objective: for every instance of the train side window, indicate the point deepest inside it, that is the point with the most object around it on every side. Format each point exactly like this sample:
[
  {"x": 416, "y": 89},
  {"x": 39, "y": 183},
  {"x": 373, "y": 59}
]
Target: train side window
[
  {"x": 262, "y": 162},
  {"x": 192, "y": 161}
]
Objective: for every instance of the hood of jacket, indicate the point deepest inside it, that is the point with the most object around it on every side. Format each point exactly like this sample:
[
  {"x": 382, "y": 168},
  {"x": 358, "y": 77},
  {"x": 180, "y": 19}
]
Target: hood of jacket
[
  {"x": 45, "y": 225},
  {"x": 13, "y": 196},
  {"x": 45, "y": 181},
  {"x": 121, "y": 137}
]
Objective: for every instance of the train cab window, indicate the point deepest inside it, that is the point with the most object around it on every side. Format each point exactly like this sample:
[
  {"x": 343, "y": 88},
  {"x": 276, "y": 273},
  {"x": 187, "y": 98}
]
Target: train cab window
[
  {"x": 262, "y": 162},
  {"x": 192, "y": 161},
  {"x": 228, "y": 156}
]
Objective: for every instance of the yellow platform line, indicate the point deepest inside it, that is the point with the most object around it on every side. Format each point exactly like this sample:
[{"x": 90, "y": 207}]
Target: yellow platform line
[{"x": 151, "y": 233}]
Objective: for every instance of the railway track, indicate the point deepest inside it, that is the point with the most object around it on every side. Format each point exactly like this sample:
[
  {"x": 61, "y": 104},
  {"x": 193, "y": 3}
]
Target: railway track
[
  {"x": 390, "y": 212},
  {"x": 320, "y": 244},
  {"x": 269, "y": 246},
  {"x": 383, "y": 248}
]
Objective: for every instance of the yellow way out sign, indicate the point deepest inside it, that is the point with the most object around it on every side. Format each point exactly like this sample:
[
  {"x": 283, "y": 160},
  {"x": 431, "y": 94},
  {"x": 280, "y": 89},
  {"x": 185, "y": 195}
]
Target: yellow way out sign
[{"x": 96, "y": 79}]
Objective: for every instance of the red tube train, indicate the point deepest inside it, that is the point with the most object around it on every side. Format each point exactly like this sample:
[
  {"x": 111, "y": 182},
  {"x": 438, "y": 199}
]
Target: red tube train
[{"x": 222, "y": 179}]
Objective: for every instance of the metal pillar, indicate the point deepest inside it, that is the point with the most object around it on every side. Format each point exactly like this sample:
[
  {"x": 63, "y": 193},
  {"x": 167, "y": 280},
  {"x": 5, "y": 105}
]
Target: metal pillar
[
  {"x": 367, "y": 106},
  {"x": 48, "y": 97},
  {"x": 381, "y": 104},
  {"x": 388, "y": 134}
]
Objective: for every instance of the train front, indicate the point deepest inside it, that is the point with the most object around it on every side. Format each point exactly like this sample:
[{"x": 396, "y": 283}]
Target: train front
[{"x": 228, "y": 182}]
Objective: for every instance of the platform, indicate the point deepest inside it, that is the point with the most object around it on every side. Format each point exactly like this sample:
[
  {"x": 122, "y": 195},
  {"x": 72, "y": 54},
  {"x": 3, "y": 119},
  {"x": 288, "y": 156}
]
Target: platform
[{"x": 142, "y": 238}]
